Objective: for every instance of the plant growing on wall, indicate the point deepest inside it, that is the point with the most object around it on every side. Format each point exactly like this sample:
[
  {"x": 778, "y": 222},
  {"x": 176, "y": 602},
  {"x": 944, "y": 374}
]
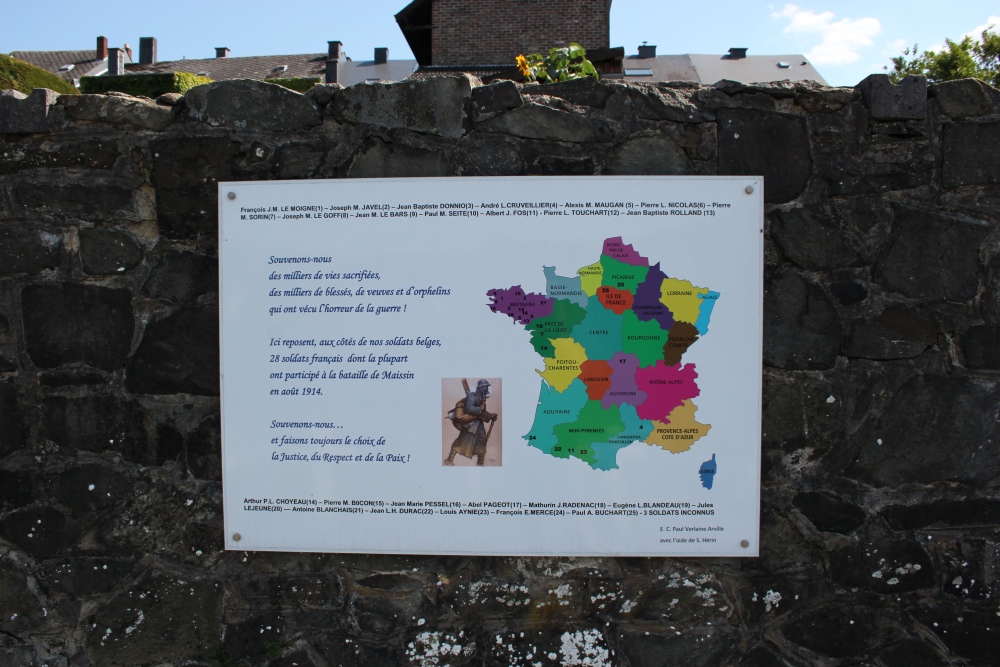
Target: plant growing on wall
[{"x": 562, "y": 64}]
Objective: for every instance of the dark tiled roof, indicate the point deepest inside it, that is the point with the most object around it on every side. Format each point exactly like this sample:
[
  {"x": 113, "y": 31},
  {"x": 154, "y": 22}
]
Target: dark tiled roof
[
  {"x": 283, "y": 67},
  {"x": 84, "y": 63}
]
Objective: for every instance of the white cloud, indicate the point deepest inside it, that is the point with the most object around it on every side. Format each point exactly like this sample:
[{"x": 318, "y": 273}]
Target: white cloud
[
  {"x": 840, "y": 40},
  {"x": 977, "y": 32}
]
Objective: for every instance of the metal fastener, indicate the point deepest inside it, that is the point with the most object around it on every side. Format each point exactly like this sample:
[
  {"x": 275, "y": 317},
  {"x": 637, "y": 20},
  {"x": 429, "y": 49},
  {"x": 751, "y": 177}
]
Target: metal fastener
[
  {"x": 744, "y": 543},
  {"x": 237, "y": 537},
  {"x": 232, "y": 195},
  {"x": 748, "y": 189}
]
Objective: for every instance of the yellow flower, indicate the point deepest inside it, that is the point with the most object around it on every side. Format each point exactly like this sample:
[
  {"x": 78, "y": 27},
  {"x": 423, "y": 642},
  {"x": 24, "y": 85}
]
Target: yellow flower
[{"x": 522, "y": 64}]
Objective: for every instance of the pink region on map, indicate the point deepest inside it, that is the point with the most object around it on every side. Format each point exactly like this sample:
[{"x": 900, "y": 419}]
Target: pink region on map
[
  {"x": 666, "y": 388},
  {"x": 519, "y": 305},
  {"x": 623, "y": 389},
  {"x": 626, "y": 254}
]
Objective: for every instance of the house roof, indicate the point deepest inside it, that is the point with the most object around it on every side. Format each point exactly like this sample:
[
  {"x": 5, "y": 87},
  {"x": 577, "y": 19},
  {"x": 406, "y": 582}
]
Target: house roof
[
  {"x": 708, "y": 68},
  {"x": 281, "y": 67},
  {"x": 83, "y": 61}
]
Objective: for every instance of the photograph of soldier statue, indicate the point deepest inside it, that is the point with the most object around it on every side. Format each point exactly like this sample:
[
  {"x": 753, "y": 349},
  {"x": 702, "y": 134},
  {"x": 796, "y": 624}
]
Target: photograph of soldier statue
[{"x": 470, "y": 416}]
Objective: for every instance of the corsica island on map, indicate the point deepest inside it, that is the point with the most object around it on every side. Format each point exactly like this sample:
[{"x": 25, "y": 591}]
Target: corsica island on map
[{"x": 613, "y": 340}]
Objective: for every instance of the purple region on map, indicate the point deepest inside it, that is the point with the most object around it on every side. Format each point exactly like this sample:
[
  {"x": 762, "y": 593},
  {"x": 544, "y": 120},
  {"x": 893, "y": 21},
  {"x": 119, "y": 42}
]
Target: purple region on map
[
  {"x": 647, "y": 305},
  {"x": 623, "y": 389},
  {"x": 626, "y": 254},
  {"x": 520, "y": 306}
]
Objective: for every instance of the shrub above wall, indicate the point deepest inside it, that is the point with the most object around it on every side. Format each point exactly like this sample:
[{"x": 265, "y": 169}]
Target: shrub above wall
[
  {"x": 144, "y": 85},
  {"x": 24, "y": 77}
]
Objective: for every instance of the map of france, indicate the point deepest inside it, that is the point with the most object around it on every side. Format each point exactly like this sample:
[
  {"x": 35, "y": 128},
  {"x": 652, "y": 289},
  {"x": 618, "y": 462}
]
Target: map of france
[{"x": 612, "y": 339}]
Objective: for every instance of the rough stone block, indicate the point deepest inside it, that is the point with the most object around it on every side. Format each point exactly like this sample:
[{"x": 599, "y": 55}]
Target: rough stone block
[
  {"x": 89, "y": 575},
  {"x": 436, "y": 105},
  {"x": 966, "y": 98},
  {"x": 69, "y": 323},
  {"x": 966, "y": 160},
  {"x": 813, "y": 239},
  {"x": 323, "y": 93},
  {"x": 246, "y": 104},
  {"x": 981, "y": 347},
  {"x": 23, "y": 611},
  {"x": 27, "y": 154},
  {"x": 695, "y": 647},
  {"x": 91, "y": 486},
  {"x": 108, "y": 252},
  {"x": 944, "y": 514},
  {"x": 895, "y": 333},
  {"x": 28, "y": 251},
  {"x": 801, "y": 328},
  {"x": 840, "y": 630},
  {"x": 585, "y": 91},
  {"x": 967, "y": 630},
  {"x": 663, "y": 103},
  {"x": 42, "y": 532},
  {"x": 204, "y": 450},
  {"x": 178, "y": 354},
  {"x": 648, "y": 153},
  {"x": 495, "y": 97},
  {"x": 933, "y": 256},
  {"x": 773, "y": 145},
  {"x": 820, "y": 99},
  {"x": 932, "y": 430},
  {"x": 181, "y": 277},
  {"x": 13, "y": 432},
  {"x": 124, "y": 110},
  {"x": 883, "y": 566},
  {"x": 380, "y": 159},
  {"x": 906, "y": 100},
  {"x": 92, "y": 199},
  {"x": 29, "y": 114},
  {"x": 185, "y": 174},
  {"x": 95, "y": 424},
  {"x": 829, "y": 512},
  {"x": 161, "y": 621},
  {"x": 535, "y": 121}
]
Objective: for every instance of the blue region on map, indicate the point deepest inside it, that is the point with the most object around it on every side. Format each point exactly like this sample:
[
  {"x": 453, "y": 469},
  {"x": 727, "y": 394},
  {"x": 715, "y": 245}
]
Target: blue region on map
[{"x": 707, "y": 472}]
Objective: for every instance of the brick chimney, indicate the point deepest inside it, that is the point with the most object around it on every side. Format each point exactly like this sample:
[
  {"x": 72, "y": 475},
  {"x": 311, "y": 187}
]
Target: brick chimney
[
  {"x": 647, "y": 51},
  {"x": 381, "y": 55},
  {"x": 147, "y": 50},
  {"x": 102, "y": 48},
  {"x": 222, "y": 52},
  {"x": 128, "y": 50},
  {"x": 334, "y": 54},
  {"x": 116, "y": 62}
]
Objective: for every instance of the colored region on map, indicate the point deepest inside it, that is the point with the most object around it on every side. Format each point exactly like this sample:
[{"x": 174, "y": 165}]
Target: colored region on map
[
  {"x": 612, "y": 339},
  {"x": 707, "y": 472}
]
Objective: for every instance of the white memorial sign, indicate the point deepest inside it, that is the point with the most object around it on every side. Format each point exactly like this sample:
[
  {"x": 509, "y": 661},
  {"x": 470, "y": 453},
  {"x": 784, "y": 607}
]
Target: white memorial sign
[{"x": 521, "y": 366}]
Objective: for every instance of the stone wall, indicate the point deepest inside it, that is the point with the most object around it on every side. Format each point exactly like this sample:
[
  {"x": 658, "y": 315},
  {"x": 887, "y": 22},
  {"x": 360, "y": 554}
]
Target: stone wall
[{"x": 881, "y": 443}]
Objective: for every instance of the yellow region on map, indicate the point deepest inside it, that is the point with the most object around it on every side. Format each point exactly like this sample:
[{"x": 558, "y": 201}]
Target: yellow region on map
[
  {"x": 681, "y": 430},
  {"x": 681, "y": 297},
  {"x": 590, "y": 278},
  {"x": 565, "y": 367}
]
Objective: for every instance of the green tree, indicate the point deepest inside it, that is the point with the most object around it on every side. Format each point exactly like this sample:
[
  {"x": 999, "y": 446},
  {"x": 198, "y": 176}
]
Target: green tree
[{"x": 979, "y": 59}]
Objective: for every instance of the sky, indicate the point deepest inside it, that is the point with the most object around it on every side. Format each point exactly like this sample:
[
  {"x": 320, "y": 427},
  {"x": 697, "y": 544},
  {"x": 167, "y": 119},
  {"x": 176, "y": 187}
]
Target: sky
[{"x": 845, "y": 40}]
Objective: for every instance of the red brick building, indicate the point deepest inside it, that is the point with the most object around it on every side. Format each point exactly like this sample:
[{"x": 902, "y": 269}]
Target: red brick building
[{"x": 474, "y": 33}]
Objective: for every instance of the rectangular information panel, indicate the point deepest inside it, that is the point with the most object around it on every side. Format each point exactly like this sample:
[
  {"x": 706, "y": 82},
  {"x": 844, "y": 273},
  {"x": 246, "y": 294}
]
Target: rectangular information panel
[{"x": 520, "y": 366}]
